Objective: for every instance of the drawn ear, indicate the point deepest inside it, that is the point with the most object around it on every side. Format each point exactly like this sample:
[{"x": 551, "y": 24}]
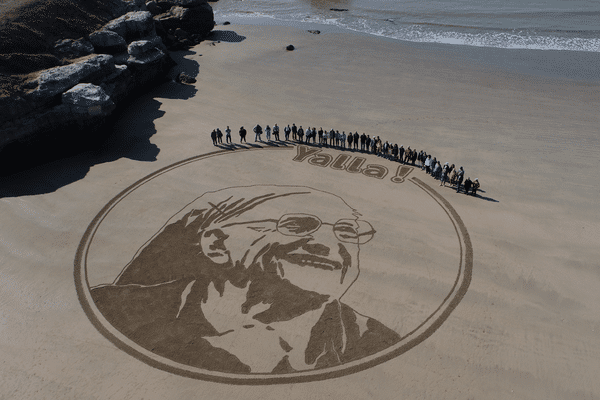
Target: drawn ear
[{"x": 212, "y": 243}]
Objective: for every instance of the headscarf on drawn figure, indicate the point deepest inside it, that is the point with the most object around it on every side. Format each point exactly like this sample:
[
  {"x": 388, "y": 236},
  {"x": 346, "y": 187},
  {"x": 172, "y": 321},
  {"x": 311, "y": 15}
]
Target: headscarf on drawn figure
[{"x": 249, "y": 279}]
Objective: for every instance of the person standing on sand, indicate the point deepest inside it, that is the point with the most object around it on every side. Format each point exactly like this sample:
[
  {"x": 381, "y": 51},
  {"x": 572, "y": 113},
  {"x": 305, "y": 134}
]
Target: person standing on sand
[
  {"x": 300, "y": 134},
  {"x": 242, "y": 135},
  {"x": 343, "y": 140},
  {"x": 320, "y": 135},
  {"x": 444, "y": 176},
  {"x": 276, "y": 132},
  {"x": 257, "y": 133},
  {"x": 268, "y": 133},
  {"x": 475, "y": 187},
  {"x": 294, "y": 132},
  {"x": 228, "y": 135},
  {"x": 437, "y": 169},
  {"x": 287, "y": 131},
  {"x": 453, "y": 175},
  {"x": 459, "y": 178},
  {"x": 468, "y": 184},
  {"x": 428, "y": 164},
  {"x": 219, "y": 136}
]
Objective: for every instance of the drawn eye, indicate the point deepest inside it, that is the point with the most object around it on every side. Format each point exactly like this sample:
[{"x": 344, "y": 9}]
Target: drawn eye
[
  {"x": 298, "y": 224},
  {"x": 345, "y": 230},
  {"x": 353, "y": 231}
]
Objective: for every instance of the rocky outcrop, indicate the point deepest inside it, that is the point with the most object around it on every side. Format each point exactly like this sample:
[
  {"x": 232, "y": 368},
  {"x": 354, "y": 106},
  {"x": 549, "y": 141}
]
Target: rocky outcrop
[
  {"x": 56, "y": 80},
  {"x": 126, "y": 55}
]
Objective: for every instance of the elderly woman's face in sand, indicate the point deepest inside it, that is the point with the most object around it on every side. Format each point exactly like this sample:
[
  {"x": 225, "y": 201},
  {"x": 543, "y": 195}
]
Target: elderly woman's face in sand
[{"x": 317, "y": 253}]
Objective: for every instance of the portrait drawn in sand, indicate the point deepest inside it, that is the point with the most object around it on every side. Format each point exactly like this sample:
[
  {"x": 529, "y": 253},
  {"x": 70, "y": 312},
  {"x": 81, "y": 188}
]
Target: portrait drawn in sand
[{"x": 249, "y": 280}]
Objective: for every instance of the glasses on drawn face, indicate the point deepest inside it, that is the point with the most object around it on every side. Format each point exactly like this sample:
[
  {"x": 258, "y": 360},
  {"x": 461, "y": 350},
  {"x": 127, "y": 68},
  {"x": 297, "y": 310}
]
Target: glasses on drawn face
[{"x": 345, "y": 230}]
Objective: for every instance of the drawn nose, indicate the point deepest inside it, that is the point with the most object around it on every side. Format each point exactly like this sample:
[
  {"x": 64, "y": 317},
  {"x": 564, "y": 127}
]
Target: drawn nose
[{"x": 317, "y": 249}]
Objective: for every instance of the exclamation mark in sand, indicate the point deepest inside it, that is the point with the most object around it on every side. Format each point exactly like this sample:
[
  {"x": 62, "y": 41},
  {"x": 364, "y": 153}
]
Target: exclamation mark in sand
[{"x": 401, "y": 173}]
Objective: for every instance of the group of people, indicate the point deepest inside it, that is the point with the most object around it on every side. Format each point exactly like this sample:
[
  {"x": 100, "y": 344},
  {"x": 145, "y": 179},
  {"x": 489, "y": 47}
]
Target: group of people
[{"x": 365, "y": 143}]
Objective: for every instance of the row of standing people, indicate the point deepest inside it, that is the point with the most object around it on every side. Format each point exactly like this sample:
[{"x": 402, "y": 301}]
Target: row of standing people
[{"x": 445, "y": 173}]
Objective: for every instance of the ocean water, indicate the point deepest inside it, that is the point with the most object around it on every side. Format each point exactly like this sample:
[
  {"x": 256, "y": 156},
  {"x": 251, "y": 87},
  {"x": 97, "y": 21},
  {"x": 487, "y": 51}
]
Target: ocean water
[{"x": 510, "y": 24}]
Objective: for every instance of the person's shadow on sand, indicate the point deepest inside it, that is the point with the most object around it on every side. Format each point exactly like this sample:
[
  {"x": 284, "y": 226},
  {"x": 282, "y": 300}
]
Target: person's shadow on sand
[
  {"x": 129, "y": 137},
  {"x": 479, "y": 196}
]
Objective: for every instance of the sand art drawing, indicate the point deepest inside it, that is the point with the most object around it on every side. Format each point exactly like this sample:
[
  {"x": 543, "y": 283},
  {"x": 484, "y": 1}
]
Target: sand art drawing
[{"x": 247, "y": 284}]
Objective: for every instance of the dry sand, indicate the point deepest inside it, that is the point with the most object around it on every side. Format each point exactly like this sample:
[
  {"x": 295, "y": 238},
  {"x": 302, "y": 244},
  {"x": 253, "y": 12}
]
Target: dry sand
[{"x": 529, "y": 324}]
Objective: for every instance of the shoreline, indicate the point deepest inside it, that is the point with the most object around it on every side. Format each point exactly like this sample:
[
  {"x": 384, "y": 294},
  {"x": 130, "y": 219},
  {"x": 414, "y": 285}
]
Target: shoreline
[{"x": 533, "y": 62}]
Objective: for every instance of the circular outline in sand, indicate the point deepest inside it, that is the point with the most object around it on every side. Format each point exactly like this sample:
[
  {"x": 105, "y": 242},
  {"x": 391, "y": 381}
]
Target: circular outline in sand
[{"x": 415, "y": 337}]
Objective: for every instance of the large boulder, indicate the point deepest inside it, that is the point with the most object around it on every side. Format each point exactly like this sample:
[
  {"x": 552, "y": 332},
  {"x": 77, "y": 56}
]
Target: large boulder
[
  {"x": 198, "y": 19},
  {"x": 150, "y": 57},
  {"x": 54, "y": 81},
  {"x": 86, "y": 98},
  {"x": 110, "y": 42},
  {"x": 133, "y": 25},
  {"x": 145, "y": 51},
  {"x": 144, "y": 45},
  {"x": 173, "y": 18},
  {"x": 77, "y": 48}
]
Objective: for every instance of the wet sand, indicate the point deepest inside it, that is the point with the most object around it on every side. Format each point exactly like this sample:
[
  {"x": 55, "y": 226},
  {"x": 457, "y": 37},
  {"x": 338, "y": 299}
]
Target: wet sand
[{"x": 526, "y": 329}]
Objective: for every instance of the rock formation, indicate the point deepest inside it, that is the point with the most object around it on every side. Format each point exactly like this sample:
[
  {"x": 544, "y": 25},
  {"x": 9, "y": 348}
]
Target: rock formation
[{"x": 104, "y": 68}]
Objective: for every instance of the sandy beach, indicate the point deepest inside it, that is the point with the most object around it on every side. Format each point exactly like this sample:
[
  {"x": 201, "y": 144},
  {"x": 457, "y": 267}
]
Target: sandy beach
[{"x": 528, "y": 326}]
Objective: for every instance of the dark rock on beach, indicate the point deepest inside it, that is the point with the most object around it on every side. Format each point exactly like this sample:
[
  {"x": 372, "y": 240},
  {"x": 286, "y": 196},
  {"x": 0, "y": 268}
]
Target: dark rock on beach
[
  {"x": 290, "y": 47},
  {"x": 338, "y": 9},
  {"x": 198, "y": 19},
  {"x": 184, "y": 78},
  {"x": 314, "y": 32}
]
